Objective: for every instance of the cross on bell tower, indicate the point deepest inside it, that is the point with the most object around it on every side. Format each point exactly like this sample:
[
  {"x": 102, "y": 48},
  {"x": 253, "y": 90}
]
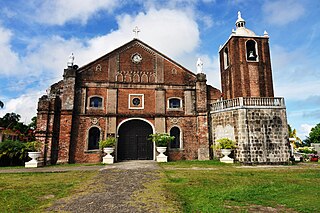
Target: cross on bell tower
[{"x": 136, "y": 31}]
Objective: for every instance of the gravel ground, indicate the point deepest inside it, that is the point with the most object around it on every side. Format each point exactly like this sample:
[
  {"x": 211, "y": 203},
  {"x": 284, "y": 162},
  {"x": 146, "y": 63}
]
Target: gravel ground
[{"x": 112, "y": 189}]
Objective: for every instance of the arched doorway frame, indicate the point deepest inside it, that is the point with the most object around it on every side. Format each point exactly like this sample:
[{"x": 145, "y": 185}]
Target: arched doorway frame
[
  {"x": 87, "y": 137},
  {"x": 142, "y": 119}
]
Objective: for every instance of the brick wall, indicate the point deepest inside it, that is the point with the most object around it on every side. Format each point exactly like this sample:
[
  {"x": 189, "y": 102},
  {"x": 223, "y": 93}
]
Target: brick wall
[{"x": 244, "y": 78}]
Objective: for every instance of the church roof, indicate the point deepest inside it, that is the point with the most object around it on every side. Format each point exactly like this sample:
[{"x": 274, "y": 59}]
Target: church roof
[{"x": 133, "y": 41}]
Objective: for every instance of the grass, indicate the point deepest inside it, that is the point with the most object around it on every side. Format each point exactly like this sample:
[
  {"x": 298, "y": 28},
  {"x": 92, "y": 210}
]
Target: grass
[
  {"x": 233, "y": 189},
  {"x": 155, "y": 196},
  {"x": 187, "y": 186},
  {"x": 54, "y": 166},
  {"x": 32, "y": 192}
]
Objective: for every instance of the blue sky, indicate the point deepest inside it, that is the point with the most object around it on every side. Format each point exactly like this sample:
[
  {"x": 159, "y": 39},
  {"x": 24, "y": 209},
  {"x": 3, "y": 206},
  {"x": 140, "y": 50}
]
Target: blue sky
[{"x": 36, "y": 38}]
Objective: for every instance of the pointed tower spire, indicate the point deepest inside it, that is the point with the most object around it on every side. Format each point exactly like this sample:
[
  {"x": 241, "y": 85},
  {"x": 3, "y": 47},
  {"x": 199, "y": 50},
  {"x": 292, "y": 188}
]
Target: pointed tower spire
[{"x": 240, "y": 21}]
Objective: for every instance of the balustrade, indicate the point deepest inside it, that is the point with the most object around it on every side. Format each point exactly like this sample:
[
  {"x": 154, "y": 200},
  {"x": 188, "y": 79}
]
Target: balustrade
[{"x": 242, "y": 102}]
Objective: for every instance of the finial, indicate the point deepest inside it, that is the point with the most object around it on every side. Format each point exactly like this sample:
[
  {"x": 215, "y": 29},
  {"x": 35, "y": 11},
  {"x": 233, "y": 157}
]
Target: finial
[
  {"x": 71, "y": 60},
  {"x": 136, "y": 30},
  {"x": 199, "y": 66},
  {"x": 240, "y": 21},
  {"x": 265, "y": 33}
]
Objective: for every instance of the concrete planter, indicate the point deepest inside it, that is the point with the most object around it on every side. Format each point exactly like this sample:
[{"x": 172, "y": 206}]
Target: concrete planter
[
  {"x": 34, "y": 163},
  {"x": 108, "y": 159},
  {"x": 226, "y": 158},
  {"x": 162, "y": 157}
]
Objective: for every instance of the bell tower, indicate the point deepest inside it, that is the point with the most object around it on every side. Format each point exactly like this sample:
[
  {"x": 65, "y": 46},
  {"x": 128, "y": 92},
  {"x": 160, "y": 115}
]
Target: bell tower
[{"x": 245, "y": 64}]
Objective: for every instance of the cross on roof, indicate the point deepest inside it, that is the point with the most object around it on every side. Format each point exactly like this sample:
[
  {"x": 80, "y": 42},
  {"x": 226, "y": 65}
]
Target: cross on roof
[{"x": 136, "y": 30}]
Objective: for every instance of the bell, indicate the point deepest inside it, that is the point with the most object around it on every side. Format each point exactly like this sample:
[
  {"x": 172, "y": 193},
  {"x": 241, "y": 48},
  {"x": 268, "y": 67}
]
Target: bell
[{"x": 251, "y": 56}]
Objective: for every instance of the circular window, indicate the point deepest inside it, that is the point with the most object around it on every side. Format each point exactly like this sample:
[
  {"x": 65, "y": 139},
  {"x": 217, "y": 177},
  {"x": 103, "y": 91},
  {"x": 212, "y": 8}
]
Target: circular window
[
  {"x": 136, "y": 58},
  {"x": 136, "y": 101}
]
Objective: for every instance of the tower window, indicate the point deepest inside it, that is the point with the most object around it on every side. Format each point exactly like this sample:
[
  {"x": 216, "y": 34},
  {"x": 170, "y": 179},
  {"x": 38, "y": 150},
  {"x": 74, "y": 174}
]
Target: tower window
[
  {"x": 175, "y": 131},
  {"x": 251, "y": 51},
  {"x": 226, "y": 57},
  {"x": 174, "y": 103},
  {"x": 96, "y": 102},
  {"x": 93, "y": 139}
]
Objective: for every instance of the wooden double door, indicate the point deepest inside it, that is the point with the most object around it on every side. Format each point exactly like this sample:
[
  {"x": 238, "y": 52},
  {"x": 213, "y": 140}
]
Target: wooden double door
[{"x": 133, "y": 143}]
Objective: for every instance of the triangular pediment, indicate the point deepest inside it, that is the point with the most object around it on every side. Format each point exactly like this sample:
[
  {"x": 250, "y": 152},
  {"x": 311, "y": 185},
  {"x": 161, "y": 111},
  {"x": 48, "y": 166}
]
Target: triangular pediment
[{"x": 137, "y": 62}]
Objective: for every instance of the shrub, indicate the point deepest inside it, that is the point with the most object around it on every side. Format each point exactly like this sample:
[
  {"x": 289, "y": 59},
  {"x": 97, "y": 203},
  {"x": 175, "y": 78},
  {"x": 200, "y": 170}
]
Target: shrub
[
  {"x": 224, "y": 143},
  {"x": 12, "y": 153},
  {"x": 108, "y": 142},
  {"x": 33, "y": 146},
  {"x": 161, "y": 139},
  {"x": 306, "y": 150}
]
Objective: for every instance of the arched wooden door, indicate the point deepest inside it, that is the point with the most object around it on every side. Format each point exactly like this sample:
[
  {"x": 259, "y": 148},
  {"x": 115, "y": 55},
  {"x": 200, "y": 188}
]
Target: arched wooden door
[{"x": 133, "y": 143}]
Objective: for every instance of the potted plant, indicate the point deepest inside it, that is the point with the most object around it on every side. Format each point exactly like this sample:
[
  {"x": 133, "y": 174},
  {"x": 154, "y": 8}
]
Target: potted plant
[
  {"x": 225, "y": 145},
  {"x": 107, "y": 146},
  {"x": 34, "y": 152},
  {"x": 161, "y": 141}
]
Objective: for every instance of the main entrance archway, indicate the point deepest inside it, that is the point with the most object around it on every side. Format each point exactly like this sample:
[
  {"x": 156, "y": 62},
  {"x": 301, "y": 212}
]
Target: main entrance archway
[{"x": 133, "y": 143}]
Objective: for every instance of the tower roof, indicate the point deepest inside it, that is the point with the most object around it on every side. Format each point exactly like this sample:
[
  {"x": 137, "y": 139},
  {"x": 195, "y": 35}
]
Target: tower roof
[{"x": 241, "y": 29}]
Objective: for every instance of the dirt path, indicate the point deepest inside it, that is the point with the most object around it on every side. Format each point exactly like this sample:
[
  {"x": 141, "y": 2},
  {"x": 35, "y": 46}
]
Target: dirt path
[{"x": 113, "y": 189}]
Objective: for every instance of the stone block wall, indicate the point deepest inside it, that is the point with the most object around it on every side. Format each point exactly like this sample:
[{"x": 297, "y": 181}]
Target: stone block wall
[{"x": 261, "y": 134}]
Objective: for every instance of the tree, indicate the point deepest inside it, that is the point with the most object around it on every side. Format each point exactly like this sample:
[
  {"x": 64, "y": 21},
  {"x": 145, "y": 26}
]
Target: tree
[
  {"x": 293, "y": 134},
  {"x": 1, "y": 104},
  {"x": 9, "y": 120},
  {"x": 33, "y": 124},
  {"x": 314, "y": 135}
]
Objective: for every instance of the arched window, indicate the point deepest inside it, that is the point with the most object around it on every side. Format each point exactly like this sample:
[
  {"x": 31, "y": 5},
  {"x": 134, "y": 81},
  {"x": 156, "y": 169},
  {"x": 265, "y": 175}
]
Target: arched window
[
  {"x": 174, "y": 103},
  {"x": 226, "y": 58},
  {"x": 251, "y": 51},
  {"x": 94, "y": 138},
  {"x": 96, "y": 102},
  {"x": 175, "y": 131}
]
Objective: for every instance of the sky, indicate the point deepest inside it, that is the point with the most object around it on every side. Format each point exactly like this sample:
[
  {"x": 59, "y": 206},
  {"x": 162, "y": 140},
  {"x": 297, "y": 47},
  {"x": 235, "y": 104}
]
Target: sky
[{"x": 37, "y": 37}]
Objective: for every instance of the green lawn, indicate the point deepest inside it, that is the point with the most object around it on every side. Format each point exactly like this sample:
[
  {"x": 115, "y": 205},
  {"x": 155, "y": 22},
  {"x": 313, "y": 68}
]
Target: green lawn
[
  {"x": 226, "y": 188},
  {"x": 30, "y": 192},
  {"x": 188, "y": 186}
]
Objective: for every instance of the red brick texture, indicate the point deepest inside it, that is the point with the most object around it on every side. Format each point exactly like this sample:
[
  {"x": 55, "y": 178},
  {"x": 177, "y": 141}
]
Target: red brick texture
[
  {"x": 243, "y": 78},
  {"x": 117, "y": 79}
]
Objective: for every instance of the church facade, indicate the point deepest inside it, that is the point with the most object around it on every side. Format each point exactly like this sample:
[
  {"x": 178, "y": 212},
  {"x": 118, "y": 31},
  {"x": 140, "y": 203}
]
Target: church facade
[{"x": 135, "y": 91}]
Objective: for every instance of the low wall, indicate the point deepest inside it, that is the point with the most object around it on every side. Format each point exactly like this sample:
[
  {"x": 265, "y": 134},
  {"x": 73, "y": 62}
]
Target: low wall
[{"x": 261, "y": 133}]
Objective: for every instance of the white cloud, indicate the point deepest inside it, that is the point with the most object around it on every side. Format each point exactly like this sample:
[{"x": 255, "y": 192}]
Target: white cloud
[
  {"x": 25, "y": 105},
  {"x": 304, "y": 130},
  {"x": 8, "y": 58},
  {"x": 211, "y": 68},
  {"x": 172, "y": 32},
  {"x": 282, "y": 12},
  {"x": 207, "y": 21},
  {"x": 295, "y": 75},
  {"x": 59, "y": 12}
]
